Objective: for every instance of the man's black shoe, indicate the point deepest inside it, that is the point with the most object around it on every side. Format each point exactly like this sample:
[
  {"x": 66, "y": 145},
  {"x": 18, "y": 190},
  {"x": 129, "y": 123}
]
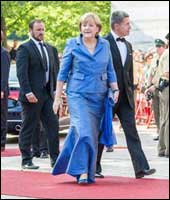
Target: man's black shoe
[
  {"x": 161, "y": 154},
  {"x": 110, "y": 149},
  {"x": 36, "y": 155},
  {"x": 29, "y": 165},
  {"x": 98, "y": 175},
  {"x": 156, "y": 138},
  {"x": 145, "y": 172},
  {"x": 52, "y": 163},
  {"x": 166, "y": 156}
]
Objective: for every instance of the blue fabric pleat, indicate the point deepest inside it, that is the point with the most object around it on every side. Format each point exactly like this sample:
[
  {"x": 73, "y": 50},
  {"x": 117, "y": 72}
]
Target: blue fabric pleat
[{"x": 108, "y": 137}]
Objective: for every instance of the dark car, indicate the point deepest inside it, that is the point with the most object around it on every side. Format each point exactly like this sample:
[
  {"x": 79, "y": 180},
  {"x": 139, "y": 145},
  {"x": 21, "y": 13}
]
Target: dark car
[
  {"x": 14, "y": 106},
  {"x": 14, "y": 116}
]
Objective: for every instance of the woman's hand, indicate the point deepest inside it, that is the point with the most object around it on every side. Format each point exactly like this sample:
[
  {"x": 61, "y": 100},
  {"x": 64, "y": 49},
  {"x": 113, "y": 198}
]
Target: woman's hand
[
  {"x": 58, "y": 106},
  {"x": 115, "y": 90},
  {"x": 116, "y": 96}
]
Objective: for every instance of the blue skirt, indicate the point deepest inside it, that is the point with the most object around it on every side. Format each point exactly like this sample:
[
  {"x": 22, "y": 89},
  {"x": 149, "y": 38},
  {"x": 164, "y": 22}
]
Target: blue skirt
[{"x": 79, "y": 153}]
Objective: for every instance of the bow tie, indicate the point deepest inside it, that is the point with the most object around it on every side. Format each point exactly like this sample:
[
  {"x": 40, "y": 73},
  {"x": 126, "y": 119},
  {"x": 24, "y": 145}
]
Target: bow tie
[{"x": 120, "y": 39}]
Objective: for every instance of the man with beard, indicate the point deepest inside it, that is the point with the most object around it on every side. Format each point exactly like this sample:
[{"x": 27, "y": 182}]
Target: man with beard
[{"x": 36, "y": 71}]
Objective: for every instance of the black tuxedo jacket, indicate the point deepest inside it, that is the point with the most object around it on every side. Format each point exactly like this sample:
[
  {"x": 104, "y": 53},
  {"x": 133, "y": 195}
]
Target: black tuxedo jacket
[
  {"x": 124, "y": 73},
  {"x": 31, "y": 71}
]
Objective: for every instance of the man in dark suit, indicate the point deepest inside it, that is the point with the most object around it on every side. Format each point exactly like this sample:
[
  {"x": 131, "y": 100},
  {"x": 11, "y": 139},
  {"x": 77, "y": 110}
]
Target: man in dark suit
[
  {"x": 36, "y": 71},
  {"x": 39, "y": 140},
  {"x": 121, "y": 51},
  {"x": 5, "y": 66}
]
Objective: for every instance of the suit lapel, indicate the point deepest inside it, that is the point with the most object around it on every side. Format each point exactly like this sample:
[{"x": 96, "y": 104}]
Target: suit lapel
[
  {"x": 36, "y": 51},
  {"x": 81, "y": 47},
  {"x": 99, "y": 46},
  {"x": 128, "y": 54},
  {"x": 117, "y": 52},
  {"x": 114, "y": 47}
]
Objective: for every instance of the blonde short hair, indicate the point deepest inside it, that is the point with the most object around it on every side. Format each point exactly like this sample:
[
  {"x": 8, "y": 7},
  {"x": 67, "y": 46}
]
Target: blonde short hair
[{"x": 85, "y": 18}]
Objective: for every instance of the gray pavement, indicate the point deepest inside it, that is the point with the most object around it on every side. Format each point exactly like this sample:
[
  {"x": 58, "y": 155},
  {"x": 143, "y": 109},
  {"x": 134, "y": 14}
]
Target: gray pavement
[{"x": 117, "y": 163}]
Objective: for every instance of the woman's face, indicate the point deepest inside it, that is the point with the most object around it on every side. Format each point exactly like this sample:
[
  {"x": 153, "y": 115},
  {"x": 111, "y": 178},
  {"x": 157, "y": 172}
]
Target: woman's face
[{"x": 89, "y": 29}]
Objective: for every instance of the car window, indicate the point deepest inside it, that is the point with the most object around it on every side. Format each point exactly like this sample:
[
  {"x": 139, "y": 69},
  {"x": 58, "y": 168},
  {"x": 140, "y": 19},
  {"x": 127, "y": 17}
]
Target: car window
[
  {"x": 13, "y": 74},
  {"x": 12, "y": 103}
]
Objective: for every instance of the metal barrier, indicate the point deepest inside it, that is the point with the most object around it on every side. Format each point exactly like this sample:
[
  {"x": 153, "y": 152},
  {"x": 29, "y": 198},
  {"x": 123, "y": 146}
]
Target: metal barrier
[{"x": 143, "y": 111}]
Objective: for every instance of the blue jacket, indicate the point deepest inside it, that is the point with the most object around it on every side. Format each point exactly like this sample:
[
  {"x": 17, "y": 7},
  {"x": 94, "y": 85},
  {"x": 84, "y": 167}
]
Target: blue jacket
[{"x": 85, "y": 72}]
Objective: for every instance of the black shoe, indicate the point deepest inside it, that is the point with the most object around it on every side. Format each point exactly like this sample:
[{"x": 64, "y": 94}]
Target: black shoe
[
  {"x": 98, "y": 175},
  {"x": 166, "y": 156},
  {"x": 110, "y": 149},
  {"x": 145, "y": 172},
  {"x": 156, "y": 138},
  {"x": 29, "y": 165},
  {"x": 36, "y": 155},
  {"x": 44, "y": 155},
  {"x": 52, "y": 163},
  {"x": 161, "y": 155}
]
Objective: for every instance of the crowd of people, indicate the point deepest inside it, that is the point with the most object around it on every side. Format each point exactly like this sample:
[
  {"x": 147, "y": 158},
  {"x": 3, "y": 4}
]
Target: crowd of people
[
  {"x": 148, "y": 74},
  {"x": 90, "y": 66}
]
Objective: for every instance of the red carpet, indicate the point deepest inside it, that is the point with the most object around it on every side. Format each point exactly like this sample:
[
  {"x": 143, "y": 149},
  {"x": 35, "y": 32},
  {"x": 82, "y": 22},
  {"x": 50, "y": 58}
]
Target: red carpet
[
  {"x": 10, "y": 152},
  {"x": 16, "y": 152},
  {"x": 120, "y": 147},
  {"x": 44, "y": 185}
]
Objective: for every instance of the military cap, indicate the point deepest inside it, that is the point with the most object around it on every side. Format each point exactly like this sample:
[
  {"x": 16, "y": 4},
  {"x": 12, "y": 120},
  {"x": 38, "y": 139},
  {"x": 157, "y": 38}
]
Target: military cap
[
  {"x": 159, "y": 43},
  {"x": 167, "y": 36}
]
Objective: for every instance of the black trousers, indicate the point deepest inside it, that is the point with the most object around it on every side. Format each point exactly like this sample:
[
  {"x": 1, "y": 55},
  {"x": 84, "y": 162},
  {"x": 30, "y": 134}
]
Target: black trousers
[
  {"x": 39, "y": 140},
  {"x": 126, "y": 116},
  {"x": 4, "y": 114},
  {"x": 32, "y": 113}
]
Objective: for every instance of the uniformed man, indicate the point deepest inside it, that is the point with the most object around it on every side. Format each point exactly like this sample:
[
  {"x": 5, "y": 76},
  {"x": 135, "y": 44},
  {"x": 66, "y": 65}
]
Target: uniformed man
[
  {"x": 163, "y": 145},
  {"x": 161, "y": 82},
  {"x": 160, "y": 48}
]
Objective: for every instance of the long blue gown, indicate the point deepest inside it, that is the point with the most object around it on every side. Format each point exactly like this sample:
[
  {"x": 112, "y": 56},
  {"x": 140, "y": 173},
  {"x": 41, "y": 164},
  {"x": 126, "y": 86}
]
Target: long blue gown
[{"x": 79, "y": 152}]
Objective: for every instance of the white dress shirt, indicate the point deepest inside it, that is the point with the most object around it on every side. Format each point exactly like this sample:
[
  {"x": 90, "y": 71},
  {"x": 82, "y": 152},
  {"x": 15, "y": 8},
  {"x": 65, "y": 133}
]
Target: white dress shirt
[
  {"x": 46, "y": 53},
  {"x": 121, "y": 46}
]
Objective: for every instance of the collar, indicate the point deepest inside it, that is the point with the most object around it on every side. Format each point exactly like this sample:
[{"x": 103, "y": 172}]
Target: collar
[
  {"x": 36, "y": 41},
  {"x": 115, "y": 36}
]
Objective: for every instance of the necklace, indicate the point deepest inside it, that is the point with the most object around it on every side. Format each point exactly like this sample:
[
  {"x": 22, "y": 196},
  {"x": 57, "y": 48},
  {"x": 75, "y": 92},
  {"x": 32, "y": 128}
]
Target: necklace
[{"x": 90, "y": 46}]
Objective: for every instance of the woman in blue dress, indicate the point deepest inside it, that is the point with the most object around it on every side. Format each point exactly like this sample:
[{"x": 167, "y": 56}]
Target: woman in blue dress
[{"x": 87, "y": 68}]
